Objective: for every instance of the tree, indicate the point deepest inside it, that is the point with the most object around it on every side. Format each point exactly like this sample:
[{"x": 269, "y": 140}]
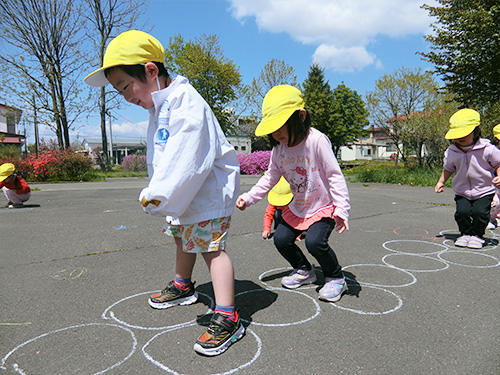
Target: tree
[
  {"x": 466, "y": 49},
  {"x": 215, "y": 77},
  {"x": 349, "y": 117},
  {"x": 395, "y": 101},
  {"x": 274, "y": 73},
  {"x": 45, "y": 59},
  {"x": 106, "y": 19},
  {"x": 318, "y": 98}
]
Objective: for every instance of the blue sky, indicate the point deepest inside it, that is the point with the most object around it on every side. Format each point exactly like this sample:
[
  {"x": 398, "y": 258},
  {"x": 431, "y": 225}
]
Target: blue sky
[{"x": 355, "y": 41}]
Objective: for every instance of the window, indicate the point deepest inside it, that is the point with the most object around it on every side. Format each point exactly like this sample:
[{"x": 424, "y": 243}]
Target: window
[{"x": 243, "y": 148}]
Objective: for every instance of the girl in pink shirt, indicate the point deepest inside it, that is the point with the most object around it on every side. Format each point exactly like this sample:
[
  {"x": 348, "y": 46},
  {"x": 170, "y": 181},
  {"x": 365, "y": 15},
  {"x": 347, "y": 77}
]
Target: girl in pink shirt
[{"x": 304, "y": 157}]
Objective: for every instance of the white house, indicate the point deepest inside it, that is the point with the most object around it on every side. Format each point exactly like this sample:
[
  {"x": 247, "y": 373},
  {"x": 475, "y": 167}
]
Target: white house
[
  {"x": 376, "y": 146},
  {"x": 9, "y": 119}
]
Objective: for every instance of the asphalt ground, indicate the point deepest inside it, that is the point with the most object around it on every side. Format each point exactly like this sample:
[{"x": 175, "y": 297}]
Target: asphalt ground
[{"x": 78, "y": 262}]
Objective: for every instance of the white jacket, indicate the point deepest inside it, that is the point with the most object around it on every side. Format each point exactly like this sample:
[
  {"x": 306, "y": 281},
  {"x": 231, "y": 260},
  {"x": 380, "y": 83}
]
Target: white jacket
[{"x": 193, "y": 170}]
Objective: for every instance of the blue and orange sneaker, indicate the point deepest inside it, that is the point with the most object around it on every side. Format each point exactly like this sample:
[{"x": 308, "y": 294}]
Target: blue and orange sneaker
[
  {"x": 222, "y": 332},
  {"x": 173, "y": 296}
]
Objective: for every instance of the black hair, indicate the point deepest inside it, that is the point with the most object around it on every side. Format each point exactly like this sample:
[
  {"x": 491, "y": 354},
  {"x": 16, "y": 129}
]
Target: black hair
[
  {"x": 477, "y": 134},
  {"x": 297, "y": 129},
  {"x": 138, "y": 71}
]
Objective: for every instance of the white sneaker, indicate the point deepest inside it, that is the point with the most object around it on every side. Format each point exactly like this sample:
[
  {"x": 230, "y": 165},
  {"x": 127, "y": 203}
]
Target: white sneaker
[
  {"x": 475, "y": 242},
  {"x": 299, "y": 277},
  {"x": 463, "y": 241},
  {"x": 333, "y": 289}
]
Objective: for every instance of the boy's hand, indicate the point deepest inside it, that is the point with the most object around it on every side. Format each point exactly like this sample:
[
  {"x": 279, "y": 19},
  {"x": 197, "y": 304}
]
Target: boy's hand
[
  {"x": 241, "y": 204},
  {"x": 496, "y": 181},
  {"x": 340, "y": 224},
  {"x": 145, "y": 203},
  {"x": 439, "y": 188},
  {"x": 266, "y": 234}
]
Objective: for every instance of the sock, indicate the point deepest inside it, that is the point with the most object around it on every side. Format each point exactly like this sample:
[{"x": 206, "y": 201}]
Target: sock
[
  {"x": 228, "y": 311},
  {"x": 182, "y": 283}
]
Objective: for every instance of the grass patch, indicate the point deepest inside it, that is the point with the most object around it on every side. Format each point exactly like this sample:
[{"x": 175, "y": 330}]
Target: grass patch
[
  {"x": 119, "y": 171},
  {"x": 386, "y": 173}
]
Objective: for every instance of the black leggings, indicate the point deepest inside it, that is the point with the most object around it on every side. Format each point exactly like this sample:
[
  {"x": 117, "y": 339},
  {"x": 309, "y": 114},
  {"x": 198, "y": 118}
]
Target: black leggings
[
  {"x": 473, "y": 216},
  {"x": 316, "y": 243}
]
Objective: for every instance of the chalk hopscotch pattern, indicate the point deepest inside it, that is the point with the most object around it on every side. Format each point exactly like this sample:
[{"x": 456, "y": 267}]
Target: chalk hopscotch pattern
[{"x": 431, "y": 249}]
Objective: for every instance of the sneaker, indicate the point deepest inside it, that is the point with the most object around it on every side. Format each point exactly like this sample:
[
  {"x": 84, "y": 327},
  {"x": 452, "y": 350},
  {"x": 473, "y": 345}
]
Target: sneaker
[
  {"x": 173, "y": 296},
  {"x": 299, "y": 277},
  {"x": 220, "y": 335},
  {"x": 9, "y": 204},
  {"x": 462, "y": 241},
  {"x": 475, "y": 242},
  {"x": 17, "y": 205},
  {"x": 332, "y": 290},
  {"x": 491, "y": 225}
]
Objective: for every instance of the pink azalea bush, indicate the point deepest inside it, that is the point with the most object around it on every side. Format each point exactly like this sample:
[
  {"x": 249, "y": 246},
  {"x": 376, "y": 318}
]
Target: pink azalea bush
[
  {"x": 254, "y": 163},
  {"x": 135, "y": 163}
]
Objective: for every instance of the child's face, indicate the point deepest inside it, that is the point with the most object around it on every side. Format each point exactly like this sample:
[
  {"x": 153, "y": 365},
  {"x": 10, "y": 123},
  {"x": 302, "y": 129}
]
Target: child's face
[
  {"x": 9, "y": 179},
  {"x": 133, "y": 90},
  {"x": 498, "y": 142},
  {"x": 466, "y": 141},
  {"x": 281, "y": 135}
]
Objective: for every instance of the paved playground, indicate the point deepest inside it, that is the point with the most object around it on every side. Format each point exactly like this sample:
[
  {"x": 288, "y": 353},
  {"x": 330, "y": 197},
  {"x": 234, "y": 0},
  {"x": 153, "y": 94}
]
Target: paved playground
[{"x": 78, "y": 262}]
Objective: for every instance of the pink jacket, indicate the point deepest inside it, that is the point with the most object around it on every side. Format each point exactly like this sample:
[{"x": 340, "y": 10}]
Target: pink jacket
[
  {"x": 473, "y": 169},
  {"x": 314, "y": 176}
]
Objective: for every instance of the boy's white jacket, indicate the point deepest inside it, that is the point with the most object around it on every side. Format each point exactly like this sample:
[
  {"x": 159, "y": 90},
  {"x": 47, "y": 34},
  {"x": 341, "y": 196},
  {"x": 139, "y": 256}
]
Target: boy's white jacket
[{"x": 193, "y": 170}]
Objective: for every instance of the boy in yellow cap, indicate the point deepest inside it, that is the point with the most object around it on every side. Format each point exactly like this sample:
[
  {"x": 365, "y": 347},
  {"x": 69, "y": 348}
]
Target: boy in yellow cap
[
  {"x": 473, "y": 160},
  {"x": 194, "y": 177},
  {"x": 279, "y": 196},
  {"x": 16, "y": 190}
]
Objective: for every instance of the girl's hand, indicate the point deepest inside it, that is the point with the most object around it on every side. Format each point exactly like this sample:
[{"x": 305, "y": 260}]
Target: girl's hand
[
  {"x": 266, "y": 234},
  {"x": 241, "y": 204},
  {"x": 340, "y": 224},
  {"x": 496, "y": 181},
  {"x": 439, "y": 188}
]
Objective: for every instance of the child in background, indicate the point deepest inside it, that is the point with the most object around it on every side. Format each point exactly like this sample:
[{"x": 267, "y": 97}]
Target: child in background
[
  {"x": 279, "y": 196},
  {"x": 304, "y": 157},
  {"x": 473, "y": 160},
  {"x": 495, "y": 204},
  {"x": 16, "y": 190},
  {"x": 194, "y": 177}
]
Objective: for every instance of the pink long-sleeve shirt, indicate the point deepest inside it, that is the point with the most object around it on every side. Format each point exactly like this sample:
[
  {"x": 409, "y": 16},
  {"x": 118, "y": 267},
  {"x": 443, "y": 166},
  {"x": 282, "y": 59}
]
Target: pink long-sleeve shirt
[{"x": 314, "y": 175}]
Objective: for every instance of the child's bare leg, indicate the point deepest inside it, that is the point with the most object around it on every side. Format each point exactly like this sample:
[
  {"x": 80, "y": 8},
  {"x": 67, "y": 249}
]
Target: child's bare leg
[
  {"x": 184, "y": 262},
  {"x": 222, "y": 272}
]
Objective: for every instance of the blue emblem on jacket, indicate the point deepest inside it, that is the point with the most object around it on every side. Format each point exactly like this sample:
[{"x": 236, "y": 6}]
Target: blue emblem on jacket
[{"x": 161, "y": 135}]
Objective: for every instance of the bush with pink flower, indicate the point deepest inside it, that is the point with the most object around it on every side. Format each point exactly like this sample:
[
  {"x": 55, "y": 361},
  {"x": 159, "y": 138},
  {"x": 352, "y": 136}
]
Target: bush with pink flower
[
  {"x": 135, "y": 163},
  {"x": 254, "y": 163}
]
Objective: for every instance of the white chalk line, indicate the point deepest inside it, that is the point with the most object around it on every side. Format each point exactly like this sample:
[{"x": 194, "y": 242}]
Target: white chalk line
[
  {"x": 232, "y": 371},
  {"x": 20, "y": 371},
  {"x": 446, "y": 265}
]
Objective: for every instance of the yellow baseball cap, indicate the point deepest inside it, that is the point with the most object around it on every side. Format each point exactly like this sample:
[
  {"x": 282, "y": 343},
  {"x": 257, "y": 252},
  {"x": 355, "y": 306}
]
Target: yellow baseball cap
[
  {"x": 278, "y": 105},
  {"x": 496, "y": 131},
  {"x": 462, "y": 123},
  {"x": 129, "y": 48},
  {"x": 6, "y": 170},
  {"x": 280, "y": 194}
]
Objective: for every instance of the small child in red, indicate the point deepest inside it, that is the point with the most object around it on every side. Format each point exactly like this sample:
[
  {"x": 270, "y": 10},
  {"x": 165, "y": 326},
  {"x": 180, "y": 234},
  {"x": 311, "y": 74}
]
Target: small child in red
[
  {"x": 16, "y": 190},
  {"x": 279, "y": 196}
]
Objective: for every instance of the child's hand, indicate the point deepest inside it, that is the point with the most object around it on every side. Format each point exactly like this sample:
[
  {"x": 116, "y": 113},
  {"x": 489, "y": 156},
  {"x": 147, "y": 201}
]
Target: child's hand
[
  {"x": 496, "y": 181},
  {"x": 340, "y": 224},
  {"x": 266, "y": 234},
  {"x": 241, "y": 204},
  {"x": 439, "y": 188}
]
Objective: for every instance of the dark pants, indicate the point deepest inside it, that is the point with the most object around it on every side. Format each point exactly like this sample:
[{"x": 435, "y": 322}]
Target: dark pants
[
  {"x": 473, "y": 216},
  {"x": 316, "y": 243}
]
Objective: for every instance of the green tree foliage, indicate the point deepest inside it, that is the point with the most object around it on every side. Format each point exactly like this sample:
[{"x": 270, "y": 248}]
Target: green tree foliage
[
  {"x": 340, "y": 114},
  {"x": 349, "y": 117},
  {"x": 466, "y": 49},
  {"x": 408, "y": 105},
  {"x": 215, "y": 77}
]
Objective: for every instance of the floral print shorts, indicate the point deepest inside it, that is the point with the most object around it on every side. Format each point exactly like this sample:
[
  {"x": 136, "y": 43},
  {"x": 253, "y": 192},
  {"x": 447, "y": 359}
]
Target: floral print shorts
[{"x": 204, "y": 237}]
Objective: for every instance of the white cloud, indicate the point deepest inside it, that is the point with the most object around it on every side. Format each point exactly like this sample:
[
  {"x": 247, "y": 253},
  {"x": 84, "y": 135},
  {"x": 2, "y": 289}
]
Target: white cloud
[
  {"x": 342, "y": 29},
  {"x": 130, "y": 130}
]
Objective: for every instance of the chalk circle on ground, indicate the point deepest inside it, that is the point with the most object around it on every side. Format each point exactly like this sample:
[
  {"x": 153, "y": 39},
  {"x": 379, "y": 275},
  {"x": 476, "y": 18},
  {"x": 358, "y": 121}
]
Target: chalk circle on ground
[
  {"x": 285, "y": 271},
  {"x": 141, "y": 311},
  {"x": 377, "y": 296},
  {"x": 162, "y": 341},
  {"x": 283, "y": 308},
  {"x": 414, "y": 247},
  {"x": 392, "y": 273},
  {"x": 471, "y": 259},
  {"x": 420, "y": 263},
  {"x": 65, "y": 346}
]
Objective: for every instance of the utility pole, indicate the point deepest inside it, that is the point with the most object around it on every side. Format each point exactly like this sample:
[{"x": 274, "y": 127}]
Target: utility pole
[{"x": 110, "y": 136}]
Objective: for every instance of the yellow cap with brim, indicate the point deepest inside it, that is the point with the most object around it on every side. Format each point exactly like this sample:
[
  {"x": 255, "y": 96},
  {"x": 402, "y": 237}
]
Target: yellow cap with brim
[
  {"x": 496, "y": 131},
  {"x": 6, "y": 170},
  {"x": 280, "y": 194},
  {"x": 129, "y": 48},
  {"x": 278, "y": 105},
  {"x": 462, "y": 123}
]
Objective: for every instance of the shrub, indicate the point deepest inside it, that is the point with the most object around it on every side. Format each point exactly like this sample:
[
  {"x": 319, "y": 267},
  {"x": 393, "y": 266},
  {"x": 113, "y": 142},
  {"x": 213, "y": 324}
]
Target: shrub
[
  {"x": 135, "y": 163},
  {"x": 255, "y": 163}
]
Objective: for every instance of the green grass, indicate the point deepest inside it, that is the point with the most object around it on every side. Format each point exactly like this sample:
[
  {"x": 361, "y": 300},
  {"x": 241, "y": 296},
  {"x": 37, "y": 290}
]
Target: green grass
[
  {"x": 386, "y": 173},
  {"x": 118, "y": 171}
]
